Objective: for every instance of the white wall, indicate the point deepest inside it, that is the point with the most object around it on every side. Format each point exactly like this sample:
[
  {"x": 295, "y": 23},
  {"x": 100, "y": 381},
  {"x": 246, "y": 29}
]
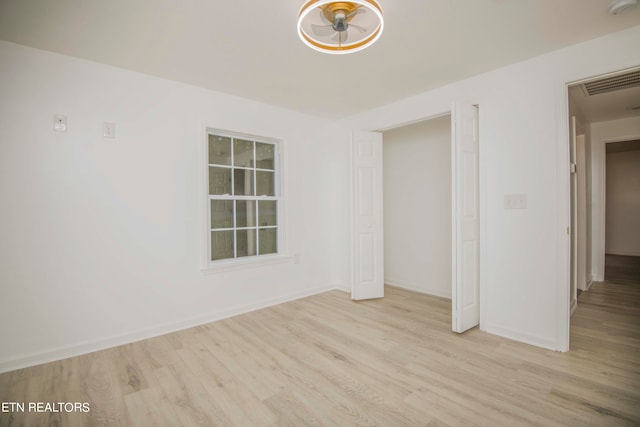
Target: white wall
[
  {"x": 417, "y": 207},
  {"x": 523, "y": 138},
  {"x": 101, "y": 237},
  {"x": 601, "y": 133},
  {"x": 623, "y": 203}
]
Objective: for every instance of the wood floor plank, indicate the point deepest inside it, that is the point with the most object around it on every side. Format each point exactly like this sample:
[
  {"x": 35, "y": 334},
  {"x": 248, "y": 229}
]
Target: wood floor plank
[
  {"x": 135, "y": 373},
  {"x": 240, "y": 405},
  {"x": 188, "y": 399},
  {"x": 151, "y": 408},
  {"x": 327, "y": 360},
  {"x": 17, "y": 393},
  {"x": 292, "y": 411},
  {"x": 307, "y": 378},
  {"x": 101, "y": 389},
  {"x": 240, "y": 364}
]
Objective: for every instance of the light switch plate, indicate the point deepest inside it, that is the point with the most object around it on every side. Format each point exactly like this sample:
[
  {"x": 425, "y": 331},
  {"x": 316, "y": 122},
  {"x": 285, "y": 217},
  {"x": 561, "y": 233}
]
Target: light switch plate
[
  {"x": 515, "y": 201},
  {"x": 109, "y": 130}
]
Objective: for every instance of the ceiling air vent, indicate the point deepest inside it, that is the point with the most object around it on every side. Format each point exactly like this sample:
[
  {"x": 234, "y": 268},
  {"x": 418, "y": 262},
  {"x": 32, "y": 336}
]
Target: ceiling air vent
[{"x": 621, "y": 81}]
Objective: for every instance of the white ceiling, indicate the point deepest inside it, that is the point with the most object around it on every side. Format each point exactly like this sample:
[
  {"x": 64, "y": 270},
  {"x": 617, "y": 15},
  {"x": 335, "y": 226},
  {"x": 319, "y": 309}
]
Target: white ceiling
[{"x": 250, "y": 48}]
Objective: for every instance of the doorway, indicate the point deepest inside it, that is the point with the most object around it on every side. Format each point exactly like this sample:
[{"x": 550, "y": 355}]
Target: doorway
[
  {"x": 367, "y": 214},
  {"x": 622, "y": 212},
  {"x": 602, "y": 110},
  {"x": 417, "y": 206},
  {"x": 368, "y": 226}
]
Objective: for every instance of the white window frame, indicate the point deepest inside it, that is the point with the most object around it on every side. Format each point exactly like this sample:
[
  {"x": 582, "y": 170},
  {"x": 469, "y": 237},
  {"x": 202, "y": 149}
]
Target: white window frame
[{"x": 241, "y": 263}]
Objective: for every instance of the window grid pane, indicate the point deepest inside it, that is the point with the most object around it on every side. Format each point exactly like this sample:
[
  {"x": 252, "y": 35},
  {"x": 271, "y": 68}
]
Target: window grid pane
[
  {"x": 243, "y": 152},
  {"x": 267, "y": 238},
  {"x": 265, "y": 156},
  {"x": 246, "y": 243},
  {"x": 221, "y": 245},
  {"x": 244, "y": 182},
  {"x": 221, "y": 214},
  {"x": 265, "y": 183},
  {"x": 219, "y": 150},
  {"x": 245, "y": 213},
  {"x": 267, "y": 213},
  {"x": 219, "y": 180}
]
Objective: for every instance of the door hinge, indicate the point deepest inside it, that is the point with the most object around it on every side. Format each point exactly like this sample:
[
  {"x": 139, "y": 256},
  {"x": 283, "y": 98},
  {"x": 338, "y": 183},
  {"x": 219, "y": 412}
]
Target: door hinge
[{"x": 572, "y": 167}]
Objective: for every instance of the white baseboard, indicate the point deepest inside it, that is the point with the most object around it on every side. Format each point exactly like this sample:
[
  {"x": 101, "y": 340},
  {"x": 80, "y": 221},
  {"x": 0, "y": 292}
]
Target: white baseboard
[
  {"x": 409, "y": 287},
  {"x": 51, "y": 355},
  {"x": 574, "y": 306},
  {"x": 589, "y": 283},
  {"x": 343, "y": 288},
  {"x": 522, "y": 337}
]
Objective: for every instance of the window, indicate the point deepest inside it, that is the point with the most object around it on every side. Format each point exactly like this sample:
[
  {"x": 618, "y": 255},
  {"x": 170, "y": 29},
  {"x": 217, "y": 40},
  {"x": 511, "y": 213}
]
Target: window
[{"x": 244, "y": 199}]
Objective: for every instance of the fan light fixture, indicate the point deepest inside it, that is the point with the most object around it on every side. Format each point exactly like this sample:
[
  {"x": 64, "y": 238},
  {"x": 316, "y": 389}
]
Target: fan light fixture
[
  {"x": 620, "y": 6},
  {"x": 340, "y": 27}
]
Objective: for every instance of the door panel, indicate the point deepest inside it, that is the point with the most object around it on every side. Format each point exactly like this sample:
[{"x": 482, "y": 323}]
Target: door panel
[
  {"x": 465, "y": 242},
  {"x": 368, "y": 250},
  {"x": 365, "y": 201}
]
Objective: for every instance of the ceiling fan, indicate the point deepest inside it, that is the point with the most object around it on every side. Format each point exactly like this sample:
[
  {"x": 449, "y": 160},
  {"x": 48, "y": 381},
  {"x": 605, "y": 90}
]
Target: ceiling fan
[
  {"x": 338, "y": 17},
  {"x": 340, "y": 26}
]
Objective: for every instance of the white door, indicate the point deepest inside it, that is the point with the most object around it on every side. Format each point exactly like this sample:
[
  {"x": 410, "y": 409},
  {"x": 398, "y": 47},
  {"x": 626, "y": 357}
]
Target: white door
[
  {"x": 465, "y": 258},
  {"x": 367, "y": 241}
]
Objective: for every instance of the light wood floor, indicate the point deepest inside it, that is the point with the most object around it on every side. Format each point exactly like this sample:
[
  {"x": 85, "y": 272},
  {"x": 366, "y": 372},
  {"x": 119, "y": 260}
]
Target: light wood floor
[{"x": 325, "y": 360}]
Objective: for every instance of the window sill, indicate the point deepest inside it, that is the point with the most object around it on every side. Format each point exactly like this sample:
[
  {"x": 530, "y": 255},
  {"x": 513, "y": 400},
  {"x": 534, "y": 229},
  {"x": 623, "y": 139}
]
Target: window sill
[{"x": 245, "y": 263}]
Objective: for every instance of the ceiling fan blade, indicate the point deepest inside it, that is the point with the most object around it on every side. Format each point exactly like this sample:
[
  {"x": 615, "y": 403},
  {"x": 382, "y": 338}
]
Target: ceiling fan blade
[
  {"x": 341, "y": 36},
  {"x": 323, "y": 17},
  {"x": 358, "y": 27},
  {"x": 355, "y": 12},
  {"x": 322, "y": 30}
]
